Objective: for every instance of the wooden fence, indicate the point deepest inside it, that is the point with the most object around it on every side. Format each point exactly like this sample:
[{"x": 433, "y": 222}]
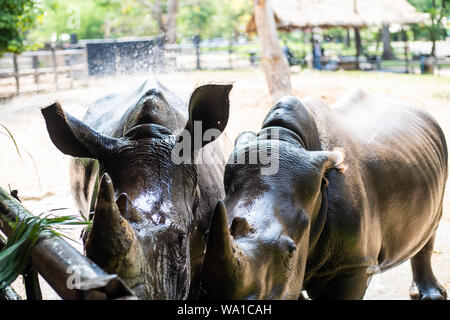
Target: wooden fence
[
  {"x": 37, "y": 71},
  {"x": 39, "y": 63}
]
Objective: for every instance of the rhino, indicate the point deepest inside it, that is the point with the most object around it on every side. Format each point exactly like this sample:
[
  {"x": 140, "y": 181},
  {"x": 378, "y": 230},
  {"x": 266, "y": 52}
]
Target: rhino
[
  {"x": 358, "y": 189},
  {"x": 150, "y": 214}
]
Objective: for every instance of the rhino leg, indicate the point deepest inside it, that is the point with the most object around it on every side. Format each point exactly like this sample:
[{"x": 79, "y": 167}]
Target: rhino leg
[
  {"x": 349, "y": 284},
  {"x": 425, "y": 285}
]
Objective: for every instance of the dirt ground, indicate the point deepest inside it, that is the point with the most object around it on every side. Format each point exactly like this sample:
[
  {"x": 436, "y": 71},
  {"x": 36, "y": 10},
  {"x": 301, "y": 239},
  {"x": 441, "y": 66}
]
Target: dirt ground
[{"x": 41, "y": 175}]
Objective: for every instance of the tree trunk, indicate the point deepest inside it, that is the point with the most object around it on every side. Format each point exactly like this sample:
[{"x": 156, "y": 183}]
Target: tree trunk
[
  {"x": 433, "y": 48},
  {"x": 347, "y": 38},
  {"x": 386, "y": 38},
  {"x": 274, "y": 63},
  {"x": 157, "y": 14},
  {"x": 171, "y": 25}
]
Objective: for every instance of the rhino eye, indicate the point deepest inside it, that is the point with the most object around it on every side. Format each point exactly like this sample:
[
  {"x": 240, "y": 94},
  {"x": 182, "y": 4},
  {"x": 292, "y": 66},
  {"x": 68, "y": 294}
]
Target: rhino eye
[{"x": 291, "y": 249}]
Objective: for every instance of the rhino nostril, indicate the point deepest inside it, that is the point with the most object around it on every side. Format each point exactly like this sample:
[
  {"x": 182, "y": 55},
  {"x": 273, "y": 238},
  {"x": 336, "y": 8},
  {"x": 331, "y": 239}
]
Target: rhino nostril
[
  {"x": 291, "y": 248},
  {"x": 175, "y": 233},
  {"x": 175, "y": 228}
]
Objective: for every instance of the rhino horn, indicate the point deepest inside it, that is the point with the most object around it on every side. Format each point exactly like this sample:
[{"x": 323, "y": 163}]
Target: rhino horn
[
  {"x": 112, "y": 243},
  {"x": 223, "y": 263}
]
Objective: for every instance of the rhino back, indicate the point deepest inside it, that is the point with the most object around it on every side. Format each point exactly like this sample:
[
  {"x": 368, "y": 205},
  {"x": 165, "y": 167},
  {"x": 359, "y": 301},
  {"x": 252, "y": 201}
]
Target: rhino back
[{"x": 388, "y": 201}]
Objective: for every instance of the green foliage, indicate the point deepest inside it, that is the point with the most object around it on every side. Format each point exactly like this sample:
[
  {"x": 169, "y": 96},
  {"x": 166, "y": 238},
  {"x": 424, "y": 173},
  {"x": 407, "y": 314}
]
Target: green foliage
[
  {"x": 91, "y": 19},
  {"x": 16, "y": 18},
  {"x": 195, "y": 19},
  {"x": 16, "y": 253},
  {"x": 438, "y": 9},
  {"x": 209, "y": 19},
  {"x": 94, "y": 19}
]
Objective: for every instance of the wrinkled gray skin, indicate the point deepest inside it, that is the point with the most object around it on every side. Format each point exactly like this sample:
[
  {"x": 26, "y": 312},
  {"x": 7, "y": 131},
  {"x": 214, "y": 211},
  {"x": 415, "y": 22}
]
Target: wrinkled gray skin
[
  {"x": 151, "y": 215},
  {"x": 330, "y": 218}
]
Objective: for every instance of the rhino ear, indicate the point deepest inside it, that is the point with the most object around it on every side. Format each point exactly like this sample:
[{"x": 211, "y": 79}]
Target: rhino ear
[
  {"x": 330, "y": 159},
  {"x": 73, "y": 137},
  {"x": 209, "y": 104}
]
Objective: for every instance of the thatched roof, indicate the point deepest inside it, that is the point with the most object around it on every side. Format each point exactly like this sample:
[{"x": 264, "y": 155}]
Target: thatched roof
[{"x": 301, "y": 14}]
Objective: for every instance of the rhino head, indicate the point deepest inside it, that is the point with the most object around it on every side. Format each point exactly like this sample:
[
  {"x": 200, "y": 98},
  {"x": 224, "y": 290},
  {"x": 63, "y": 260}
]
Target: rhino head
[
  {"x": 146, "y": 209},
  {"x": 260, "y": 234}
]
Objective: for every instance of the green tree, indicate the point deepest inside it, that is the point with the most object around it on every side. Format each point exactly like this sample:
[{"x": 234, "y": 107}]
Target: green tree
[
  {"x": 195, "y": 18},
  {"x": 438, "y": 9},
  {"x": 94, "y": 19},
  {"x": 209, "y": 19},
  {"x": 232, "y": 17},
  {"x": 16, "y": 18}
]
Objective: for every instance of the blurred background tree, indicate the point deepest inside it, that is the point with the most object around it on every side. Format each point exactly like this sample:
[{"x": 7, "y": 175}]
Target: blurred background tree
[
  {"x": 177, "y": 21},
  {"x": 94, "y": 19},
  {"x": 17, "y": 17},
  {"x": 433, "y": 31}
]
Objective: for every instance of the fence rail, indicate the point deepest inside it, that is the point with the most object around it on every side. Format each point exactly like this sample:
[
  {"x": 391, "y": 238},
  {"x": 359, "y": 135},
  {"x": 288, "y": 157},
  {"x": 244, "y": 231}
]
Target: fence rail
[
  {"x": 113, "y": 57},
  {"x": 37, "y": 63}
]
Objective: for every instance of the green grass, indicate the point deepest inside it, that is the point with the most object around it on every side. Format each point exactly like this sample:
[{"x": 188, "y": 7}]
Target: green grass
[{"x": 9, "y": 134}]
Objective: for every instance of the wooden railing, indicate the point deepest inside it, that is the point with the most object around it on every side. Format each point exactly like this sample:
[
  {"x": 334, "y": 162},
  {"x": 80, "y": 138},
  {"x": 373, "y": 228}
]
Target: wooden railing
[
  {"x": 57, "y": 261},
  {"x": 31, "y": 63}
]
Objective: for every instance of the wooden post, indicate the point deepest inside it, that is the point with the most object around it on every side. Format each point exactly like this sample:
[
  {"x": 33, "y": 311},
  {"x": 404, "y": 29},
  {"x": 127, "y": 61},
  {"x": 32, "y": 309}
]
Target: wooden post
[
  {"x": 16, "y": 73},
  {"x": 197, "y": 50},
  {"x": 230, "y": 54},
  {"x": 31, "y": 282},
  {"x": 36, "y": 71},
  {"x": 274, "y": 63},
  {"x": 405, "y": 39},
  {"x": 358, "y": 45},
  {"x": 55, "y": 66}
]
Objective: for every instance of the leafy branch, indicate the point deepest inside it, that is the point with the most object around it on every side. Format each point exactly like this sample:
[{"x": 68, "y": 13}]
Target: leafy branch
[{"x": 16, "y": 253}]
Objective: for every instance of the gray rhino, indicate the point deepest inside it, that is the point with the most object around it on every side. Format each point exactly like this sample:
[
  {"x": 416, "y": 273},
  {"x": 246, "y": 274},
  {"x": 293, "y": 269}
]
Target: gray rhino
[
  {"x": 151, "y": 213},
  {"x": 358, "y": 189}
]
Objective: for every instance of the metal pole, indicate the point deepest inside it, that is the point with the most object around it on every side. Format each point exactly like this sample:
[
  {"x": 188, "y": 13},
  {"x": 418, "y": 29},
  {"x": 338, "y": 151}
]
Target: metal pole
[{"x": 72, "y": 275}]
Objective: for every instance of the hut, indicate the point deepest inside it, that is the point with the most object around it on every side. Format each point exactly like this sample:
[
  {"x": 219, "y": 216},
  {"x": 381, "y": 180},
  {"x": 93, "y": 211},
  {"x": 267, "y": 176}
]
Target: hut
[
  {"x": 302, "y": 14},
  {"x": 306, "y": 14}
]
